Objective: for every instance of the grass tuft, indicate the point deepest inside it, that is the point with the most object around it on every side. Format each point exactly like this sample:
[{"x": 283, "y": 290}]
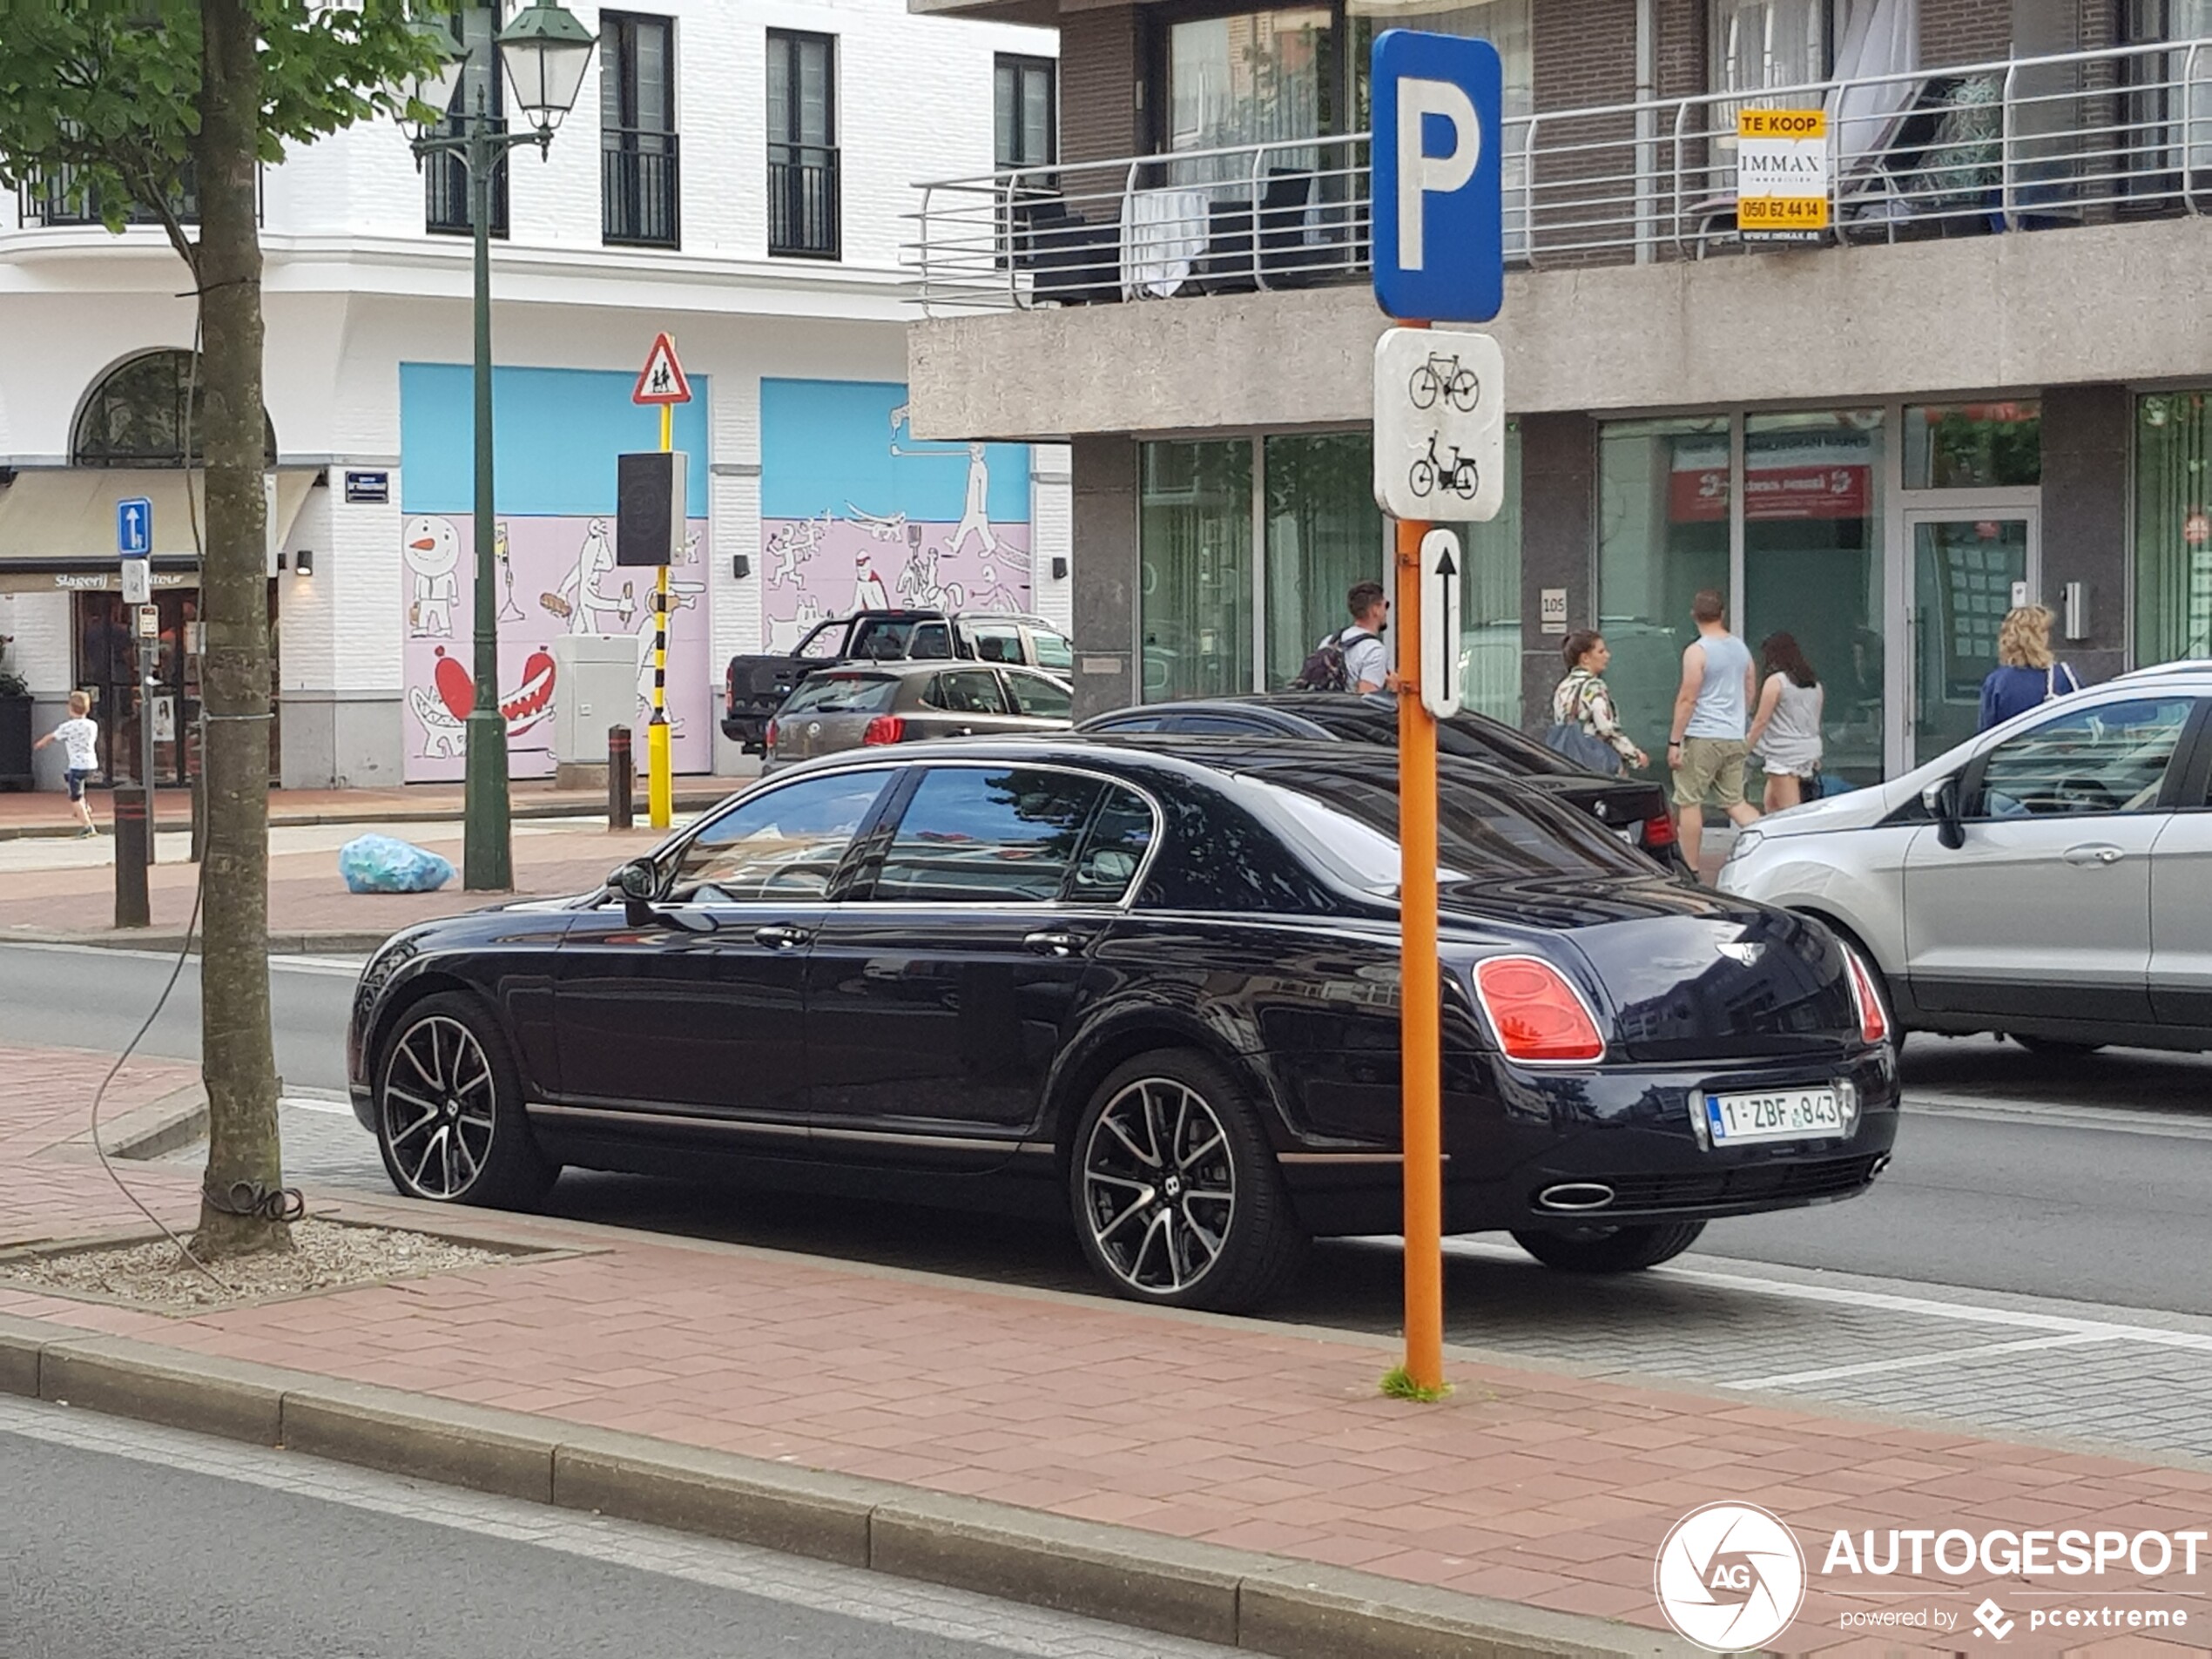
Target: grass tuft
[{"x": 1399, "y": 1384}]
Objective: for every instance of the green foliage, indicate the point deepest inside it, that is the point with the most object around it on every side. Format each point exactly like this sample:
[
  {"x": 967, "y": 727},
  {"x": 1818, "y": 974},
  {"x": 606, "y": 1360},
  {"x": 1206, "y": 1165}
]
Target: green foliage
[
  {"x": 104, "y": 94},
  {"x": 1399, "y": 1384}
]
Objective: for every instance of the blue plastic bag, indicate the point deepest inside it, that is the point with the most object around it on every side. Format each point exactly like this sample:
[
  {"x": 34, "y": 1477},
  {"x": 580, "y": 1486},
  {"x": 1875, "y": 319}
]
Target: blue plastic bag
[{"x": 381, "y": 864}]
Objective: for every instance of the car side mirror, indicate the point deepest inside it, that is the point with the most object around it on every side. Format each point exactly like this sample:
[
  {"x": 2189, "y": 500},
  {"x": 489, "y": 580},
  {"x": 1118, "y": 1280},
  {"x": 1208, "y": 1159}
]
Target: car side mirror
[
  {"x": 637, "y": 883},
  {"x": 1941, "y": 798}
]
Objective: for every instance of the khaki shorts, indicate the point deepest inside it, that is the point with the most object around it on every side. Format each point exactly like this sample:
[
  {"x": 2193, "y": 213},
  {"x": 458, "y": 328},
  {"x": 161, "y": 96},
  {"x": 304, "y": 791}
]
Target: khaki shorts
[{"x": 1711, "y": 766}]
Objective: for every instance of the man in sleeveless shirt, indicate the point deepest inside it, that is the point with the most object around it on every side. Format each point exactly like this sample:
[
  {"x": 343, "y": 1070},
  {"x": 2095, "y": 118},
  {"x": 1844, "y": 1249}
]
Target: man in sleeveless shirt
[{"x": 1705, "y": 747}]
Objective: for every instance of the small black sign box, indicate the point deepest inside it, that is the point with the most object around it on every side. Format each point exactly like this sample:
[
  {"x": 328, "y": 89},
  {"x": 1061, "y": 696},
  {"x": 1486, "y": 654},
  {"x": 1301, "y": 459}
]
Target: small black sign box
[
  {"x": 369, "y": 487},
  {"x": 649, "y": 500}
]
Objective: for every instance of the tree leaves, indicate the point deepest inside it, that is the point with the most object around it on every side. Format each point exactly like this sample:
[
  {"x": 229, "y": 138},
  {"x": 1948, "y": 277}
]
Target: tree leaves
[{"x": 102, "y": 97}]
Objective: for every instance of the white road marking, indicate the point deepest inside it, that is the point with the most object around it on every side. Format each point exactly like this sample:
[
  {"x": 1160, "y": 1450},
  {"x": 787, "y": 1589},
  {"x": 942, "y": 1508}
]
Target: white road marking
[
  {"x": 329, "y": 1105},
  {"x": 1925, "y": 1307},
  {"x": 1916, "y": 1361},
  {"x": 2119, "y": 1120}
]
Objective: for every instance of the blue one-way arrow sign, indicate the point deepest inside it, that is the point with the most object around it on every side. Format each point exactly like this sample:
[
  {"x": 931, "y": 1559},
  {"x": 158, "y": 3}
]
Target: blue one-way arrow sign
[
  {"x": 134, "y": 527},
  {"x": 1439, "y": 208}
]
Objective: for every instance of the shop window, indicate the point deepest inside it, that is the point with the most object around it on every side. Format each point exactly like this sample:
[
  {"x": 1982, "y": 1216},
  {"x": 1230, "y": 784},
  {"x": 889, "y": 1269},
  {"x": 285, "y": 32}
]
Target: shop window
[
  {"x": 2174, "y": 526},
  {"x": 1762, "y": 44},
  {"x": 1251, "y": 79},
  {"x": 1324, "y": 534},
  {"x": 1974, "y": 446},
  {"x": 1195, "y": 589},
  {"x": 1812, "y": 566},
  {"x": 149, "y": 412},
  {"x": 1663, "y": 504}
]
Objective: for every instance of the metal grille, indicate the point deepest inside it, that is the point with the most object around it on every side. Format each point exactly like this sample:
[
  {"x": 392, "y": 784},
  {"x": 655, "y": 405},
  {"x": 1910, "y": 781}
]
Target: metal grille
[
  {"x": 638, "y": 187},
  {"x": 803, "y": 200}
]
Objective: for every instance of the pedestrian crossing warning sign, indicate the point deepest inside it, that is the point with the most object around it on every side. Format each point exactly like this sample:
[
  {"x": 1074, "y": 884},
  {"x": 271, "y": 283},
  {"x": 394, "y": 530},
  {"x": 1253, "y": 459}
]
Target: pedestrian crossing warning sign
[{"x": 662, "y": 379}]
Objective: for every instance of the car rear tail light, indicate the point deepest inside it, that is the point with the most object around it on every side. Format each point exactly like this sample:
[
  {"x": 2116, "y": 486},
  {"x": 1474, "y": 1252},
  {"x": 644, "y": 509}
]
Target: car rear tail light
[
  {"x": 1873, "y": 1019},
  {"x": 884, "y": 728},
  {"x": 1659, "y": 830},
  {"x": 1537, "y": 1015},
  {"x": 768, "y": 736}
]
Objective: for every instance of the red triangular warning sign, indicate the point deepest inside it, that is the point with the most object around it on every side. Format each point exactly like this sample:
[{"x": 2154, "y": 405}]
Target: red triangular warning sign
[{"x": 662, "y": 379}]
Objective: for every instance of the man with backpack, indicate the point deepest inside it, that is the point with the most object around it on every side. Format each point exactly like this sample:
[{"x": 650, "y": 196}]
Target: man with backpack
[{"x": 1354, "y": 659}]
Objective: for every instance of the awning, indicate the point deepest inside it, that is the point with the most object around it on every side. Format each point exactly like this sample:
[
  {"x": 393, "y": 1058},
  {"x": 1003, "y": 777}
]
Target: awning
[{"x": 60, "y": 522}]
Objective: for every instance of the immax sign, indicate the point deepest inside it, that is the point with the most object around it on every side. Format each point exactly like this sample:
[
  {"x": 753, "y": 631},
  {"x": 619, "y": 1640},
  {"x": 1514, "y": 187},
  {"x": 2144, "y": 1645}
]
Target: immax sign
[{"x": 1781, "y": 175}]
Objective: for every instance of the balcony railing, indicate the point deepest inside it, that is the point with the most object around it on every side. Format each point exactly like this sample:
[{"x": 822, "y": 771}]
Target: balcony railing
[
  {"x": 60, "y": 197},
  {"x": 2025, "y": 143},
  {"x": 445, "y": 191},
  {"x": 638, "y": 187},
  {"x": 803, "y": 200}
]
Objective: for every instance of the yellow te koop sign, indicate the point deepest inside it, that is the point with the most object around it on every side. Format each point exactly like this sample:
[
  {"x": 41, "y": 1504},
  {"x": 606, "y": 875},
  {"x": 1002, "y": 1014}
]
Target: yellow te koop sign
[{"x": 1782, "y": 175}]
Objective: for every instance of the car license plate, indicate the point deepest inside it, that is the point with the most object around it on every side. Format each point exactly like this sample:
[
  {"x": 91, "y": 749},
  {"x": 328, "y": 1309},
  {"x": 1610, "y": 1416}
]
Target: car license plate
[{"x": 1777, "y": 1114}]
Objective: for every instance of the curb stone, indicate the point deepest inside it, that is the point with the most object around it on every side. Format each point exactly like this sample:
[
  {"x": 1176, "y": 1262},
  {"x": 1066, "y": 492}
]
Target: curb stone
[
  {"x": 333, "y": 942},
  {"x": 178, "y": 1118},
  {"x": 1122, "y": 1574},
  {"x": 695, "y": 800}
]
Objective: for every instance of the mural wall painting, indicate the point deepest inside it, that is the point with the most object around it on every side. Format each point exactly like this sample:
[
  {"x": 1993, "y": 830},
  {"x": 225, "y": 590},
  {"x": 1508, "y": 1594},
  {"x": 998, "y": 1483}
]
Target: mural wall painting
[{"x": 856, "y": 513}]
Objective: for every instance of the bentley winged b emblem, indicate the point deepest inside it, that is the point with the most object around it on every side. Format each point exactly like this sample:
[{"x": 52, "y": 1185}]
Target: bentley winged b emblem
[{"x": 1742, "y": 953}]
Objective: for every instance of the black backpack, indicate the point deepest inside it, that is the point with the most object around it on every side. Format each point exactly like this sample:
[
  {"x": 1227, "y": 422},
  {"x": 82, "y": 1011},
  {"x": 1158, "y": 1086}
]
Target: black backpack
[{"x": 1324, "y": 670}]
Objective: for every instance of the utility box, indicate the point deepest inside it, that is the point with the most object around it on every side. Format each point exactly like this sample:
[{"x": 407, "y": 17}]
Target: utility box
[{"x": 595, "y": 686}]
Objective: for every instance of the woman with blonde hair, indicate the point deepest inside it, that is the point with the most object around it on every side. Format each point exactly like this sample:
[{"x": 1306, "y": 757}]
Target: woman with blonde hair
[{"x": 2026, "y": 674}]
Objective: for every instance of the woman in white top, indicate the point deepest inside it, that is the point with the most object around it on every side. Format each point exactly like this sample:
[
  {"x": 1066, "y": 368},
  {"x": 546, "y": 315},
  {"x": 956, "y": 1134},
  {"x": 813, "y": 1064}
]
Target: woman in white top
[{"x": 1785, "y": 732}]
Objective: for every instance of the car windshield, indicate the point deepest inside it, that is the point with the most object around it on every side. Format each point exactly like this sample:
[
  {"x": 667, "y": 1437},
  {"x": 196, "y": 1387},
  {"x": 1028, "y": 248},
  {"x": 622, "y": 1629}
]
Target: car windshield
[
  {"x": 1351, "y": 824},
  {"x": 842, "y": 694},
  {"x": 1052, "y": 649}
]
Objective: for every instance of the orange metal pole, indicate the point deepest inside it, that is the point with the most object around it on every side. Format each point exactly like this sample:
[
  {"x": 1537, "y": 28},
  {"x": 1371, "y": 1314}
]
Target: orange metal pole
[{"x": 1421, "y": 1037}]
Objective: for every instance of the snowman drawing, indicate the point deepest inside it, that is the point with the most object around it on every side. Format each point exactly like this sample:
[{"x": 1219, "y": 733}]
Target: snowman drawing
[{"x": 432, "y": 549}]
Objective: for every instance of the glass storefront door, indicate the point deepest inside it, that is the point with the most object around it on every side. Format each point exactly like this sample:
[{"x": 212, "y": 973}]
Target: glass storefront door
[{"x": 1969, "y": 568}]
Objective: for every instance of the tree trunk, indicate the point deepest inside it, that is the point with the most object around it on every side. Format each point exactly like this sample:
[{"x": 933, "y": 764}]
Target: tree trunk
[{"x": 238, "y": 1058}]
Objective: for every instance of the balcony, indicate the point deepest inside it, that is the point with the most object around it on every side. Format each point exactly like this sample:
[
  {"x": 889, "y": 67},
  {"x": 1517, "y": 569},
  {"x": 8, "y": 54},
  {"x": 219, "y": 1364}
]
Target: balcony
[
  {"x": 1975, "y": 150},
  {"x": 639, "y": 188},
  {"x": 804, "y": 209},
  {"x": 59, "y": 198}
]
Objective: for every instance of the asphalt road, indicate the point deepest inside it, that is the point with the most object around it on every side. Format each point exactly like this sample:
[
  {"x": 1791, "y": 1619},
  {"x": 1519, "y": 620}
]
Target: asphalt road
[
  {"x": 136, "y": 1540},
  {"x": 2090, "y": 1180}
]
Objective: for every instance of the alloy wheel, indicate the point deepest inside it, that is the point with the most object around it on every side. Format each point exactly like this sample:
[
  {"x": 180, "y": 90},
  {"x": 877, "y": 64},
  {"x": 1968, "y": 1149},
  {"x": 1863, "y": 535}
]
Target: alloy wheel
[
  {"x": 438, "y": 1106},
  {"x": 1159, "y": 1186}
]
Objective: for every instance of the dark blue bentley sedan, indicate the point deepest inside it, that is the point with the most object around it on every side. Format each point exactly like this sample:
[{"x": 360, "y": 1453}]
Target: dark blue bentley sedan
[{"x": 1158, "y": 980}]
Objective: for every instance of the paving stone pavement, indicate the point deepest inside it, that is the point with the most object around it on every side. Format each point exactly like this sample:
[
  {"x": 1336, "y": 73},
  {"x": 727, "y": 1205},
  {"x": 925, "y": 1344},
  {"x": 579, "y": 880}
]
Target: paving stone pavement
[{"x": 1535, "y": 1482}]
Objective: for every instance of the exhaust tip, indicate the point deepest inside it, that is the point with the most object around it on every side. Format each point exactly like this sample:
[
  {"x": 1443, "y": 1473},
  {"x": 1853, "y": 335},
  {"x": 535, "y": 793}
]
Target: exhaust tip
[
  {"x": 1575, "y": 1195},
  {"x": 1880, "y": 1164}
]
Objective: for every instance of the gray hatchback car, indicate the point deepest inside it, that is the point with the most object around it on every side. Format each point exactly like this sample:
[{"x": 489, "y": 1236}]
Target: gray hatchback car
[{"x": 860, "y": 705}]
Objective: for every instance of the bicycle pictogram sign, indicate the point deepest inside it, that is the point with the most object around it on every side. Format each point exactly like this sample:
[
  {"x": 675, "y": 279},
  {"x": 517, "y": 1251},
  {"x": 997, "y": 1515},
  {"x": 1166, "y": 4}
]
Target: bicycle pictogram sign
[{"x": 1442, "y": 376}]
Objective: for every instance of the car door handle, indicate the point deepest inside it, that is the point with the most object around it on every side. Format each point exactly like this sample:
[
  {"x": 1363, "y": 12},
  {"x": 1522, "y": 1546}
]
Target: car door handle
[
  {"x": 1054, "y": 944},
  {"x": 781, "y": 938},
  {"x": 2094, "y": 853}
]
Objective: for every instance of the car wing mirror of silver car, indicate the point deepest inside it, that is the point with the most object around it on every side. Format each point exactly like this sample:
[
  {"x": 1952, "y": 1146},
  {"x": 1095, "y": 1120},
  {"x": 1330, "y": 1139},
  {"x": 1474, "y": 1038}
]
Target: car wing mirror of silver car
[
  {"x": 637, "y": 883},
  {"x": 1941, "y": 798}
]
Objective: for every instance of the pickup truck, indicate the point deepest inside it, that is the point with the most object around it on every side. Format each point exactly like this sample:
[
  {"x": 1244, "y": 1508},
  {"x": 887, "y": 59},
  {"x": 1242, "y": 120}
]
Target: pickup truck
[{"x": 755, "y": 687}]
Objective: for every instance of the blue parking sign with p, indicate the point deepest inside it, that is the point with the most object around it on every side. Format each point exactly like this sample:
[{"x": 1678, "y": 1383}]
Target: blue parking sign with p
[{"x": 1439, "y": 211}]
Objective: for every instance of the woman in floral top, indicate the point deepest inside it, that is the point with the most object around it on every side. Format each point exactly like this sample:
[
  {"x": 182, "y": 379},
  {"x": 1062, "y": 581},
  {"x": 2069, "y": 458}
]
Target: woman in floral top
[{"x": 1581, "y": 698}]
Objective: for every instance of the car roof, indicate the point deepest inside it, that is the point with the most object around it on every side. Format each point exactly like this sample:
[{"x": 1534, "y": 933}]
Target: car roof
[
  {"x": 2193, "y": 668},
  {"x": 908, "y": 667}
]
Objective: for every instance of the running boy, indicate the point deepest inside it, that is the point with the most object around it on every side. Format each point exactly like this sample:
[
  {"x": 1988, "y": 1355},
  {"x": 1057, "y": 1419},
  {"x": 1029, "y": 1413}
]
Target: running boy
[{"x": 80, "y": 741}]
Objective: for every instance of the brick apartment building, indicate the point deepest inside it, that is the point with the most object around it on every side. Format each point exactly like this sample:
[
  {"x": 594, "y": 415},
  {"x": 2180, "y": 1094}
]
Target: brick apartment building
[{"x": 1990, "y": 378}]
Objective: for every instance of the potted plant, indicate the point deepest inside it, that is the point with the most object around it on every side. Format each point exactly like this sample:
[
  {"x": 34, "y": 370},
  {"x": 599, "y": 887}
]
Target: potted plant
[{"x": 14, "y": 730}]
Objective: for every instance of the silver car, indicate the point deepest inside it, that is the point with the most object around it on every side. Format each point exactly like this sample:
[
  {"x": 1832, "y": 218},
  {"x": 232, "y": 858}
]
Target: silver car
[
  {"x": 857, "y": 706},
  {"x": 2050, "y": 879}
]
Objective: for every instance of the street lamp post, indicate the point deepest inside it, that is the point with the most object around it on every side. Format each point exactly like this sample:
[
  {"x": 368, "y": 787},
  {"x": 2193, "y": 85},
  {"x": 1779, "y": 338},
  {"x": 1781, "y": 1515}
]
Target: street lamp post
[{"x": 545, "y": 52}]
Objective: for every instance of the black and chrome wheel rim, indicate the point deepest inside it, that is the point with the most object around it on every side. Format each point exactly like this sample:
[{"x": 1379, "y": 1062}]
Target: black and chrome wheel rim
[
  {"x": 1159, "y": 1187},
  {"x": 437, "y": 1105}
]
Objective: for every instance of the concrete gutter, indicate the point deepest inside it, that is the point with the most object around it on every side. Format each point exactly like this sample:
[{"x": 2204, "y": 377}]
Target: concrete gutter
[{"x": 1152, "y": 1581}]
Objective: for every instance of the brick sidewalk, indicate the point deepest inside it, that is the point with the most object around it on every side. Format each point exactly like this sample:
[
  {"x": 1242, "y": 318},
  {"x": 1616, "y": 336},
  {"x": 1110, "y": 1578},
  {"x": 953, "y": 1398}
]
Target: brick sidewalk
[
  {"x": 1539, "y": 1488},
  {"x": 306, "y": 896}
]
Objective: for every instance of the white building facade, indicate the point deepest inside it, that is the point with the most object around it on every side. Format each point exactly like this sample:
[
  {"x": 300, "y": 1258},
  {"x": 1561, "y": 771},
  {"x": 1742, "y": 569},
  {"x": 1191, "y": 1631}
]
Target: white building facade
[{"x": 734, "y": 174}]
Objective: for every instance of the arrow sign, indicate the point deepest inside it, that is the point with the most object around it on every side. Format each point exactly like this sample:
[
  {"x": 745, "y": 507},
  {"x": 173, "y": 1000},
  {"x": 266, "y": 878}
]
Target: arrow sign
[
  {"x": 662, "y": 378},
  {"x": 1442, "y": 584},
  {"x": 134, "y": 527}
]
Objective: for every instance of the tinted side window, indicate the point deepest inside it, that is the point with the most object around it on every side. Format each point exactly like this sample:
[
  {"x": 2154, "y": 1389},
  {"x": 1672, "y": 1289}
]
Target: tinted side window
[
  {"x": 1041, "y": 698},
  {"x": 825, "y": 645},
  {"x": 2110, "y": 760},
  {"x": 1054, "y": 650},
  {"x": 1119, "y": 837},
  {"x": 932, "y": 641},
  {"x": 1220, "y": 726},
  {"x": 987, "y": 835},
  {"x": 997, "y": 642},
  {"x": 967, "y": 691},
  {"x": 882, "y": 640},
  {"x": 782, "y": 844},
  {"x": 1129, "y": 723}
]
